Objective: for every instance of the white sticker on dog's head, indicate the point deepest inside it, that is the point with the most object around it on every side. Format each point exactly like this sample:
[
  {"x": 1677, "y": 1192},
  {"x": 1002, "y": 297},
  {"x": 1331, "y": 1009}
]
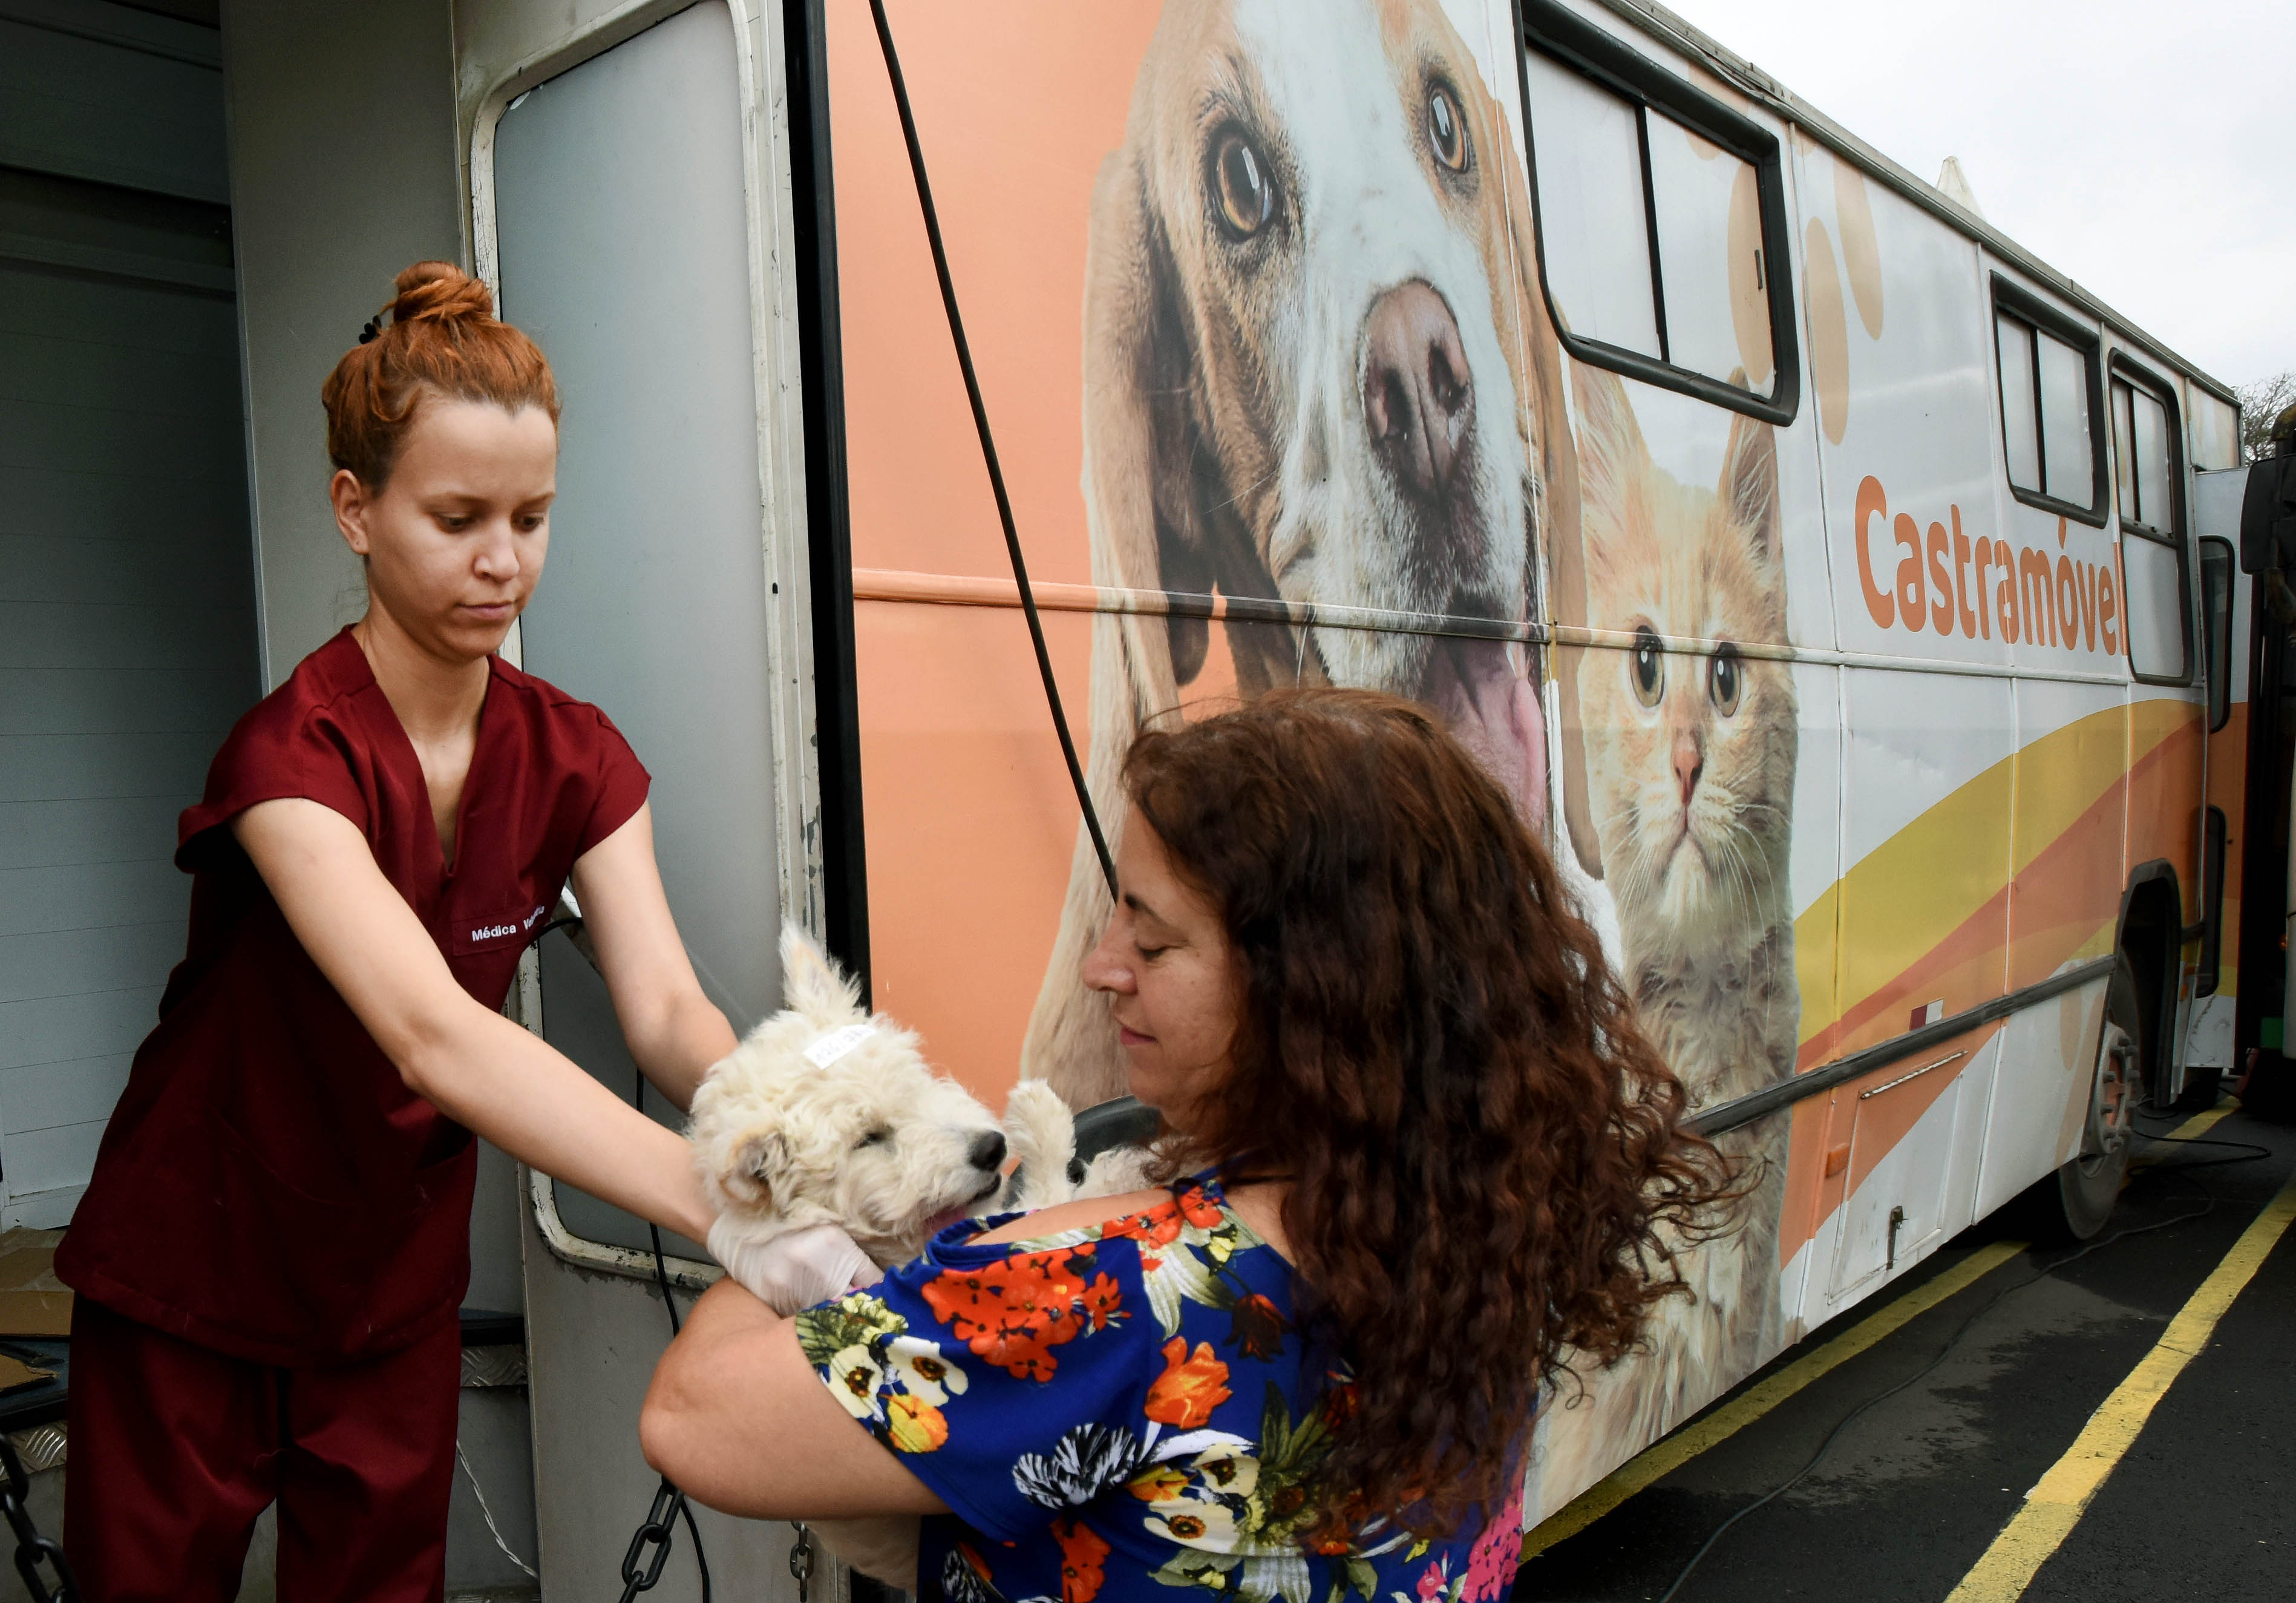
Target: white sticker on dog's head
[{"x": 828, "y": 1049}]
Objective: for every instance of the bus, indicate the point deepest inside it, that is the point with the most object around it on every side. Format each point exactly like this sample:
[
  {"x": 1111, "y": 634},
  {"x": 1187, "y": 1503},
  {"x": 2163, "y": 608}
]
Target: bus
[{"x": 1854, "y": 604}]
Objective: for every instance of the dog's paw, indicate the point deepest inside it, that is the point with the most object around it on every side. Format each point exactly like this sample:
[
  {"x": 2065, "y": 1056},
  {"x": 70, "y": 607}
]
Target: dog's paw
[
  {"x": 1117, "y": 1171},
  {"x": 1041, "y": 1132}
]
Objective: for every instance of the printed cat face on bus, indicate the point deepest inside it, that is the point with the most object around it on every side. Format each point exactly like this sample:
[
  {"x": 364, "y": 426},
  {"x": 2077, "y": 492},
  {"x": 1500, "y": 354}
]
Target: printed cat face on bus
[{"x": 1689, "y": 755}]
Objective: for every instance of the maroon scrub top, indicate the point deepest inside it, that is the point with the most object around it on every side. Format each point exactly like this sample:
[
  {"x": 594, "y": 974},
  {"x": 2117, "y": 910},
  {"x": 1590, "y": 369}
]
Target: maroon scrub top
[{"x": 269, "y": 1187}]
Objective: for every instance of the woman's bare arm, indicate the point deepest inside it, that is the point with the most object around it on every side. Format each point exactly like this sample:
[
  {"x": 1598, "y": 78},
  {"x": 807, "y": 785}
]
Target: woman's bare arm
[
  {"x": 474, "y": 1065},
  {"x": 674, "y": 1031},
  {"x": 741, "y": 1422}
]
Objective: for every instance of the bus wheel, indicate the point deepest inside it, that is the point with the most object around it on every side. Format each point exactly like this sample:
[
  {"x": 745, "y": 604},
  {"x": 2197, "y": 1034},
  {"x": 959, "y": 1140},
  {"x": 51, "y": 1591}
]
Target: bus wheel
[{"x": 2087, "y": 1186}]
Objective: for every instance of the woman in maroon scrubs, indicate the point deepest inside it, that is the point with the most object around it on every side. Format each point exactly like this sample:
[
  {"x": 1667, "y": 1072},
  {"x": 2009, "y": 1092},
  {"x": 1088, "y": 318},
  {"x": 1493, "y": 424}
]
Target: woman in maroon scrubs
[{"x": 271, "y": 1255}]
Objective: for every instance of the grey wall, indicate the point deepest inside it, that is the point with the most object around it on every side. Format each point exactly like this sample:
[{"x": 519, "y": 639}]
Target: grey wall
[
  {"x": 127, "y": 625},
  {"x": 344, "y": 170}
]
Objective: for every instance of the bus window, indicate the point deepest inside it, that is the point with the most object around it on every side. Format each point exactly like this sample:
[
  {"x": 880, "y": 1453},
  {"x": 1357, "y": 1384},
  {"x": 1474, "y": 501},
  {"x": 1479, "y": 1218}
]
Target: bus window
[
  {"x": 1593, "y": 222},
  {"x": 1661, "y": 214},
  {"x": 2067, "y": 457},
  {"x": 2146, "y": 474},
  {"x": 2216, "y": 626},
  {"x": 2048, "y": 391},
  {"x": 2020, "y": 406},
  {"x": 1695, "y": 190}
]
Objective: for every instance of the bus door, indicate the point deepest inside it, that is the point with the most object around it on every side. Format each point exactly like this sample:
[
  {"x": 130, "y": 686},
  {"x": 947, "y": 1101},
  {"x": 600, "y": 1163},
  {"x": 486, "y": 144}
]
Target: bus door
[{"x": 2257, "y": 897}]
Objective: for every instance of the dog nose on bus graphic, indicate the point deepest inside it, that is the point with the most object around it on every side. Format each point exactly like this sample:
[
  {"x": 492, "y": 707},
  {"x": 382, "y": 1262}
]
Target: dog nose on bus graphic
[
  {"x": 1419, "y": 400},
  {"x": 987, "y": 1151},
  {"x": 1689, "y": 761}
]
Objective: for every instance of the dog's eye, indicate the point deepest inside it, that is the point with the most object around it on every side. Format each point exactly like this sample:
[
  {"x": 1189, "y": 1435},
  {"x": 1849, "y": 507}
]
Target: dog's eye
[
  {"x": 1444, "y": 130},
  {"x": 1241, "y": 182},
  {"x": 1647, "y": 667},
  {"x": 1725, "y": 681},
  {"x": 875, "y": 1137}
]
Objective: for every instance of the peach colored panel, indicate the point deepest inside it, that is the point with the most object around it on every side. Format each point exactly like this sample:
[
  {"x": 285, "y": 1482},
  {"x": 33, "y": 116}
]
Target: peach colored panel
[
  {"x": 1017, "y": 103},
  {"x": 971, "y": 822}
]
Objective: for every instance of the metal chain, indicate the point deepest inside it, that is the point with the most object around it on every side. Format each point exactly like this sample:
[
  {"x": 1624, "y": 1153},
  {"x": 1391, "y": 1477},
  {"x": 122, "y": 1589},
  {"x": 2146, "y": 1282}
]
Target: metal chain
[
  {"x": 667, "y": 1500},
  {"x": 801, "y": 1561},
  {"x": 32, "y": 1548}
]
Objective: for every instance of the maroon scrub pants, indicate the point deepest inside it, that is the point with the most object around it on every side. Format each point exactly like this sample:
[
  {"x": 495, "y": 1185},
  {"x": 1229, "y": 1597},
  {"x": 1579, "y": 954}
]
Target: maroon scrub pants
[{"x": 175, "y": 1449}]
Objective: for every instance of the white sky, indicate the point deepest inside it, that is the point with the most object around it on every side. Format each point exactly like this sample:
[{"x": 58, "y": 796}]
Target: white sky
[{"x": 2131, "y": 145}]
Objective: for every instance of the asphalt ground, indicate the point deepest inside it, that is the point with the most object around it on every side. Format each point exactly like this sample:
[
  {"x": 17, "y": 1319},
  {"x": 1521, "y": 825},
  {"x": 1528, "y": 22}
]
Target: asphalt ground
[{"x": 1913, "y": 1492}]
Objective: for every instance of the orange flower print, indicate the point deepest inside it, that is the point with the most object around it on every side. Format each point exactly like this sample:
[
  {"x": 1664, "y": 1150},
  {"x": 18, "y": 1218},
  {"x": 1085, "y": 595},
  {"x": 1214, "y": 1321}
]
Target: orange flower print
[
  {"x": 1014, "y": 1311},
  {"x": 1197, "y": 1207},
  {"x": 1101, "y": 1301},
  {"x": 1255, "y": 1325},
  {"x": 914, "y": 1425},
  {"x": 1191, "y": 1386},
  {"x": 1158, "y": 1226},
  {"x": 1082, "y": 1552},
  {"x": 1019, "y": 1353}
]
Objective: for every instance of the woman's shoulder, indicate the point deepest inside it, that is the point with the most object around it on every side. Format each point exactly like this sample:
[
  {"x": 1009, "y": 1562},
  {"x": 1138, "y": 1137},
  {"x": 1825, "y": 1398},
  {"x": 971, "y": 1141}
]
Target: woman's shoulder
[
  {"x": 1090, "y": 1213},
  {"x": 1194, "y": 1209},
  {"x": 544, "y": 700}
]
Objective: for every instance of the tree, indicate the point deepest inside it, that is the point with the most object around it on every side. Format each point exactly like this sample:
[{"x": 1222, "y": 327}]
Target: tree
[{"x": 2259, "y": 403}]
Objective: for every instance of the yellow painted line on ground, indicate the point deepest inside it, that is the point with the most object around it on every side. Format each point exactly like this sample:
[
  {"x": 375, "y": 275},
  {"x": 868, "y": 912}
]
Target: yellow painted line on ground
[
  {"x": 1739, "y": 1412},
  {"x": 2197, "y": 1125},
  {"x": 2054, "y": 1505}
]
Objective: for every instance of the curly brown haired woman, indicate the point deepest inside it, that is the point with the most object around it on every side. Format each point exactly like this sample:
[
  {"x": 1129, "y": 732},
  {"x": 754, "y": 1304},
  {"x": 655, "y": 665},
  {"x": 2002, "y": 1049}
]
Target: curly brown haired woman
[{"x": 1421, "y": 1151}]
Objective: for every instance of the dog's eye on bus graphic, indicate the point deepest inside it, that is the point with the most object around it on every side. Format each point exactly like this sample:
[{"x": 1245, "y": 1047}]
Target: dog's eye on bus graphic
[{"x": 1319, "y": 371}]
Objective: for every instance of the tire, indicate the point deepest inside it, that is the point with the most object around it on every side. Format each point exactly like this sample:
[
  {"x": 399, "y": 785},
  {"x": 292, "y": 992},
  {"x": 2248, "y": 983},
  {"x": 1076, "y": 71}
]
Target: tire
[{"x": 2087, "y": 1187}]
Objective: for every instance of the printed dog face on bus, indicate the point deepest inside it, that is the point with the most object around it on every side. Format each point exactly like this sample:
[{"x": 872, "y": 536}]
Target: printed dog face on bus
[{"x": 1317, "y": 371}]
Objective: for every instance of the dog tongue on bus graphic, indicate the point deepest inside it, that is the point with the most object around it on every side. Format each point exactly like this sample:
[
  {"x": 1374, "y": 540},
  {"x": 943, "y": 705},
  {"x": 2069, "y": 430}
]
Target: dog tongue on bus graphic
[{"x": 1492, "y": 706}]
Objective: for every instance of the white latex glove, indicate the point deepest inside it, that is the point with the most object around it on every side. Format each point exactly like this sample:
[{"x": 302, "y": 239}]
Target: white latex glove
[{"x": 795, "y": 1270}]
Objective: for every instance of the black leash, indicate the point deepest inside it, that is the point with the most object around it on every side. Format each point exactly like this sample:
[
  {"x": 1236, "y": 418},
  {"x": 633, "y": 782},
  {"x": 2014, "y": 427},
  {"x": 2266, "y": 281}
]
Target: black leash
[{"x": 989, "y": 444}]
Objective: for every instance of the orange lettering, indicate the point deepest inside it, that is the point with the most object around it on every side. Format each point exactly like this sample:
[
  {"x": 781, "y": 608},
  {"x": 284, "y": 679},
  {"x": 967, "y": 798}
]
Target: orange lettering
[
  {"x": 2067, "y": 604},
  {"x": 2039, "y": 606},
  {"x": 2105, "y": 609},
  {"x": 1961, "y": 579},
  {"x": 2088, "y": 575},
  {"x": 1940, "y": 581},
  {"x": 1911, "y": 607},
  {"x": 2006, "y": 590},
  {"x": 1871, "y": 501}
]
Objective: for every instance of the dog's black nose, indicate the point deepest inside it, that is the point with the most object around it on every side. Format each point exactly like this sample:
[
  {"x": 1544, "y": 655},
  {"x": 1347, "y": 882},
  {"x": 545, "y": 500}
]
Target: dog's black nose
[
  {"x": 987, "y": 1151},
  {"x": 1419, "y": 401}
]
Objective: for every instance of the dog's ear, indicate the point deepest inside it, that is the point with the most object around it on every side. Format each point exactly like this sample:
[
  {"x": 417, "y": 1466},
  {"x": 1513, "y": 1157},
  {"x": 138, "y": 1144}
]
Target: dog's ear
[
  {"x": 1137, "y": 368},
  {"x": 1138, "y": 498},
  {"x": 758, "y": 1167},
  {"x": 811, "y": 984}
]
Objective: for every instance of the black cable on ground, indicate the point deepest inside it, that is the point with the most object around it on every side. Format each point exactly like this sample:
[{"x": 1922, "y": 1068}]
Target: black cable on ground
[
  {"x": 988, "y": 442},
  {"x": 2208, "y": 1206}
]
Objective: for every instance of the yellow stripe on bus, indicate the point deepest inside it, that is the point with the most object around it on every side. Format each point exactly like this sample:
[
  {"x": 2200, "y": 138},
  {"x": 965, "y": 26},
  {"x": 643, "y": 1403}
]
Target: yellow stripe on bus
[
  {"x": 2055, "y": 1504},
  {"x": 2066, "y": 772}
]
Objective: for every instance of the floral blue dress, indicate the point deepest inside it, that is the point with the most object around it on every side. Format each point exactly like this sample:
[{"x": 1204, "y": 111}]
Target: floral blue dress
[{"x": 1116, "y": 1412}]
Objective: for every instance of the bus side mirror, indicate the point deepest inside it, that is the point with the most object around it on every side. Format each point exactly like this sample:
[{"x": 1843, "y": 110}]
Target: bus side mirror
[{"x": 2268, "y": 516}]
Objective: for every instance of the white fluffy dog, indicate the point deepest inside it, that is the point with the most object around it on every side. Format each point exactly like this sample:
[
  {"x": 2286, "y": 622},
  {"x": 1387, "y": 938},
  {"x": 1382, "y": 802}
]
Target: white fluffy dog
[
  {"x": 825, "y": 1115},
  {"x": 829, "y": 1115}
]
